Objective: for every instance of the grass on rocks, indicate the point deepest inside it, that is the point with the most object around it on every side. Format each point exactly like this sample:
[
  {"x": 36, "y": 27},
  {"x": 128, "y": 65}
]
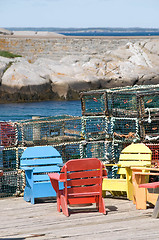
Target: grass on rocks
[{"x": 8, "y": 54}]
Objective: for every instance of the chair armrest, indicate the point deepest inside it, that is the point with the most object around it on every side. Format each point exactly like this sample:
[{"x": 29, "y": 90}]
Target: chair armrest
[
  {"x": 54, "y": 176},
  {"x": 27, "y": 168},
  {"x": 54, "y": 179},
  {"x": 149, "y": 185}
]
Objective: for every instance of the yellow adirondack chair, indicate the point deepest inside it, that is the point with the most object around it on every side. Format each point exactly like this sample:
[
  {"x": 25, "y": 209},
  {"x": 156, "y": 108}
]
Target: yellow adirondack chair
[{"x": 134, "y": 155}]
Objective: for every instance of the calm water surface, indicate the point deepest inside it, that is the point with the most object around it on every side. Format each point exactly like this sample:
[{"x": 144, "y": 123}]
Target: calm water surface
[{"x": 19, "y": 111}]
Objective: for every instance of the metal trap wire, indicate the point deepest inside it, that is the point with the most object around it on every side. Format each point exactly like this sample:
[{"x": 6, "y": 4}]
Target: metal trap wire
[
  {"x": 48, "y": 131},
  {"x": 69, "y": 151},
  {"x": 94, "y": 149},
  {"x": 125, "y": 129},
  {"x": 155, "y": 153},
  {"x": 135, "y": 103},
  {"x": 150, "y": 130},
  {"x": 100, "y": 102},
  {"x": 149, "y": 105},
  {"x": 93, "y": 103},
  {"x": 94, "y": 127},
  {"x": 8, "y": 134},
  {"x": 11, "y": 183}
]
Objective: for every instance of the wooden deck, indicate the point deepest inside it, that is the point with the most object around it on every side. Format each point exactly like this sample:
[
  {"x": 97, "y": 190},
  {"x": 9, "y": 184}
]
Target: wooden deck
[{"x": 21, "y": 220}]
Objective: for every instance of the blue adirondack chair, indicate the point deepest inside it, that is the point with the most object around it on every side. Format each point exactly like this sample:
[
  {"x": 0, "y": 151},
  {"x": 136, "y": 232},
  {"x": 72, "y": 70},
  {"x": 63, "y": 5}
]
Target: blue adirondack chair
[{"x": 37, "y": 163}]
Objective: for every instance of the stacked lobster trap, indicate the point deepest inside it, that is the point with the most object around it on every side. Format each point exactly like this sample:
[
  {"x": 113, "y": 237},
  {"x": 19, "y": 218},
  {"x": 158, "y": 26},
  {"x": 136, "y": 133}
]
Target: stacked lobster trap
[
  {"x": 119, "y": 117},
  {"x": 61, "y": 132}
]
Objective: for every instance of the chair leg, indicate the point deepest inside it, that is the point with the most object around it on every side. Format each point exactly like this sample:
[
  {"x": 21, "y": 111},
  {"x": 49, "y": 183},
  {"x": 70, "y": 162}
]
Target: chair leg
[
  {"x": 64, "y": 205},
  {"x": 58, "y": 203},
  {"x": 102, "y": 206},
  {"x": 32, "y": 200}
]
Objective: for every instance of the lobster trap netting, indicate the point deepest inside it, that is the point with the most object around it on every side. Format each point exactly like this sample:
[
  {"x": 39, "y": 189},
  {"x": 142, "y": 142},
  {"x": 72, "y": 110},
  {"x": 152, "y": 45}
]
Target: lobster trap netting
[
  {"x": 150, "y": 130},
  {"x": 11, "y": 183},
  {"x": 93, "y": 103},
  {"x": 125, "y": 129},
  {"x": 93, "y": 149},
  {"x": 149, "y": 105},
  {"x": 94, "y": 127},
  {"x": 48, "y": 131},
  {"x": 10, "y": 158},
  {"x": 155, "y": 153},
  {"x": 8, "y": 134},
  {"x": 124, "y": 104},
  {"x": 113, "y": 151},
  {"x": 106, "y": 151},
  {"x": 69, "y": 151},
  {"x": 105, "y": 101}
]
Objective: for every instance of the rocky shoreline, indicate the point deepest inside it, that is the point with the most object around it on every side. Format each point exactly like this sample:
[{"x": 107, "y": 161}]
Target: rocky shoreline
[{"x": 58, "y": 68}]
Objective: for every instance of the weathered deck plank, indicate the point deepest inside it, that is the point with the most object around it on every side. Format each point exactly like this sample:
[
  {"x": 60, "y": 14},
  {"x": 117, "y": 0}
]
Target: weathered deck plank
[{"x": 21, "y": 220}]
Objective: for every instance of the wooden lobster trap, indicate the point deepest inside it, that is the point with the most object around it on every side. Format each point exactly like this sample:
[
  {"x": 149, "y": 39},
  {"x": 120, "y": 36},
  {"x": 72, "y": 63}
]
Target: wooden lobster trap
[
  {"x": 94, "y": 103},
  {"x": 140, "y": 103},
  {"x": 125, "y": 129},
  {"x": 49, "y": 131},
  {"x": 94, "y": 128},
  {"x": 149, "y": 130}
]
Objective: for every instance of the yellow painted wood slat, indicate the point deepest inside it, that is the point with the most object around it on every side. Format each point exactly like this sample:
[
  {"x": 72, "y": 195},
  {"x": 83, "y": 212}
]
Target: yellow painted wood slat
[
  {"x": 135, "y": 163},
  {"x": 136, "y": 148},
  {"x": 133, "y": 157},
  {"x": 114, "y": 184}
]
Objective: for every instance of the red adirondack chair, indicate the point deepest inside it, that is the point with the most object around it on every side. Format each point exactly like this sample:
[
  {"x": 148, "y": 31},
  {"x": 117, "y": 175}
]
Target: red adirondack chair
[{"x": 82, "y": 184}]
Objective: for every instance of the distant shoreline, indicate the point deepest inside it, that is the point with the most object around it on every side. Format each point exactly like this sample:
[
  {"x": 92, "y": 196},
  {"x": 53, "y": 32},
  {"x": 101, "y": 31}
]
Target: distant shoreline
[
  {"x": 79, "y": 37},
  {"x": 83, "y": 33}
]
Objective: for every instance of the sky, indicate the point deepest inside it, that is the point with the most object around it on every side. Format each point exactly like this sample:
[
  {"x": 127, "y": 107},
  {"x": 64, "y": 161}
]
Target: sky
[{"x": 79, "y": 13}]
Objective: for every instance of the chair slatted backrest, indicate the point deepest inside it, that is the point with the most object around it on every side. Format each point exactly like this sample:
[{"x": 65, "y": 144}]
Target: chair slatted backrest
[
  {"x": 82, "y": 175},
  {"x": 43, "y": 159},
  {"x": 136, "y": 154}
]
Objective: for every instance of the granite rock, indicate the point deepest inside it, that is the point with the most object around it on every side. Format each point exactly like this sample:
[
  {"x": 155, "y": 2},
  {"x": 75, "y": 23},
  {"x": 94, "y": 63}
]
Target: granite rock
[{"x": 48, "y": 78}]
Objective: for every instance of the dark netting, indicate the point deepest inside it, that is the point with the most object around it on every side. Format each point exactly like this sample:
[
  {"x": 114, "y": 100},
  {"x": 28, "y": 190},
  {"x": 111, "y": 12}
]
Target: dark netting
[
  {"x": 155, "y": 153},
  {"x": 94, "y": 103},
  {"x": 8, "y": 134},
  {"x": 150, "y": 130},
  {"x": 10, "y": 158},
  {"x": 149, "y": 104},
  {"x": 69, "y": 151},
  {"x": 124, "y": 104},
  {"x": 94, "y": 127},
  {"x": 101, "y": 102},
  {"x": 125, "y": 129},
  {"x": 95, "y": 149},
  {"x": 11, "y": 183},
  {"x": 48, "y": 131},
  {"x": 135, "y": 103}
]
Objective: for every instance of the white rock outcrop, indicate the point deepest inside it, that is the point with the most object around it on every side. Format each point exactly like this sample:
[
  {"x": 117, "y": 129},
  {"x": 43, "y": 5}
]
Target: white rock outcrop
[{"x": 134, "y": 63}]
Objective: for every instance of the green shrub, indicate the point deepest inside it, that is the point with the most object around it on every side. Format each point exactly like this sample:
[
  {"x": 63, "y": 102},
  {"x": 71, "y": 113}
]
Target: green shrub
[{"x": 8, "y": 54}]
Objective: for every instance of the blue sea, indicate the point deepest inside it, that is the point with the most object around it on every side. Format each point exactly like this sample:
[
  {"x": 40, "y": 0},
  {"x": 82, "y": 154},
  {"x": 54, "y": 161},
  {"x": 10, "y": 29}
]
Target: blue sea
[
  {"x": 114, "y": 34},
  {"x": 20, "y": 111},
  {"x": 95, "y": 31}
]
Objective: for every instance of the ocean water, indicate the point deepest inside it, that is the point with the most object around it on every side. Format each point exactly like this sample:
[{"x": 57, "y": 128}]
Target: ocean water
[
  {"x": 94, "y": 32},
  {"x": 20, "y": 111},
  {"x": 114, "y": 34}
]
